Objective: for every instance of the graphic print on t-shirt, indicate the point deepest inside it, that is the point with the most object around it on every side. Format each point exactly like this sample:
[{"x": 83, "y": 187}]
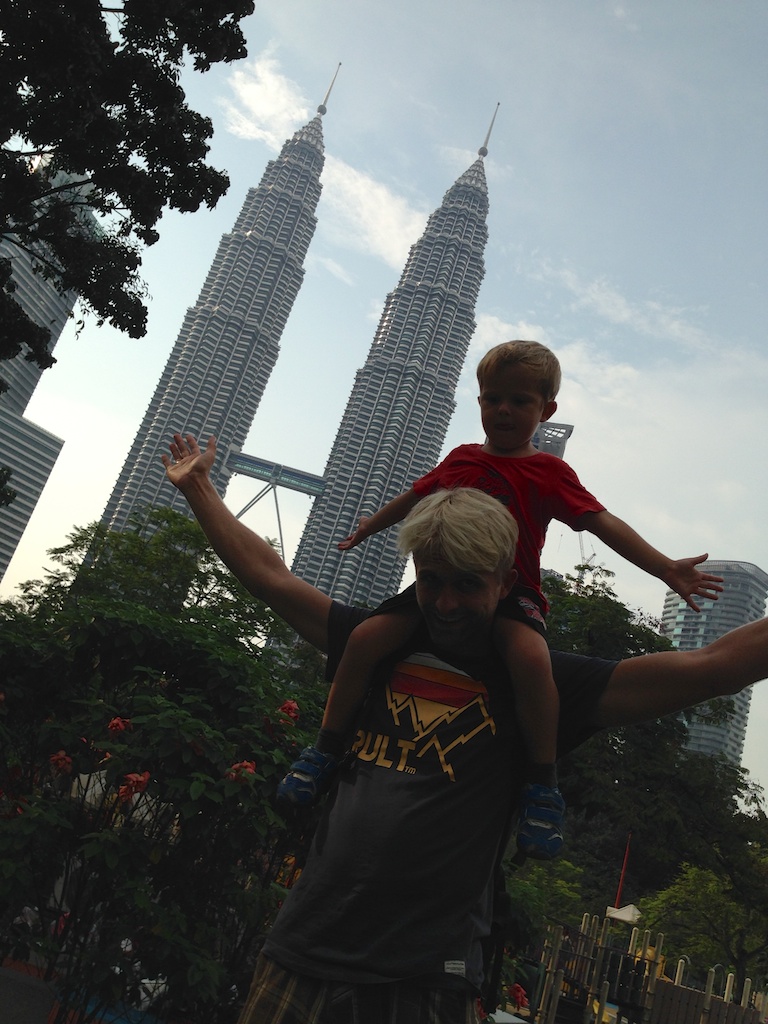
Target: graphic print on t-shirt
[{"x": 435, "y": 708}]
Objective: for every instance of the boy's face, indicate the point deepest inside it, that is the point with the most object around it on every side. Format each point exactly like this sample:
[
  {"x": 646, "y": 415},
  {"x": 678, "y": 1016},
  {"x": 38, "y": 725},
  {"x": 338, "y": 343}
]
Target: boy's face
[{"x": 511, "y": 408}]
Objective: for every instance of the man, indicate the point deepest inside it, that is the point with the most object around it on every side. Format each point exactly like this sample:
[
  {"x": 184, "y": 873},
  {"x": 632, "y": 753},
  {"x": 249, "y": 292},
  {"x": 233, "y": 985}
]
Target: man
[{"x": 386, "y": 920}]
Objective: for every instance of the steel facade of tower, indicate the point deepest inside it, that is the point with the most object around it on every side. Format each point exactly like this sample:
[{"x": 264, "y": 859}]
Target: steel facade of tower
[
  {"x": 28, "y": 450},
  {"x": 742, "y": 601},
  {"x": 402, "y": 400},
  {"x": 229, "y": 341}
]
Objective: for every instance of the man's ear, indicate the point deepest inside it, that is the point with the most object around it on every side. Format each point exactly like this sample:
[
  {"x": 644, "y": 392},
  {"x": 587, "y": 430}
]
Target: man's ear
[
  {"x": 548, "y": 411},
  {"x": 508, "y": 581}
]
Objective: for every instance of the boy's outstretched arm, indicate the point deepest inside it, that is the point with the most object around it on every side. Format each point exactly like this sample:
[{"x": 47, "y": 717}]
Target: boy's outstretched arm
[
  {"x": 681, "y": 575},
  {"x": 393, "y": 512},
  {"x": 255, "y": 563}
]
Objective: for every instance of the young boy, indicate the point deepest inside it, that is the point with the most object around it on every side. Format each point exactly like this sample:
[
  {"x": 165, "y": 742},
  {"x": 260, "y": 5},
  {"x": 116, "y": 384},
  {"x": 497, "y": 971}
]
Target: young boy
[{"x": 518, "y": 382}]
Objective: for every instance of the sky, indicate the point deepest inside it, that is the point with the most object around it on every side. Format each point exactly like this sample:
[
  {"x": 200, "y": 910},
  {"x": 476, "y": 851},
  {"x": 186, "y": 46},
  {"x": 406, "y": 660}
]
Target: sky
[{"x": 628, "y": 218}]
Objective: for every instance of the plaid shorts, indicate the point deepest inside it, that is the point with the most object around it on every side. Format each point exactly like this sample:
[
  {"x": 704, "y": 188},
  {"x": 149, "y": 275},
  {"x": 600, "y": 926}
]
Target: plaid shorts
[{"x": 279, "y": 996}]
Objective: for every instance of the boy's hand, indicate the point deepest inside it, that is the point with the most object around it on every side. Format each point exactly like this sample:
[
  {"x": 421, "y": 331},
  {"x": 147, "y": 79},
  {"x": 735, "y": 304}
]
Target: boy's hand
[
  {"x": 357, "y": 537},
  {"x": 688, "y": 581},
  {"x": 188, "y": 460}
]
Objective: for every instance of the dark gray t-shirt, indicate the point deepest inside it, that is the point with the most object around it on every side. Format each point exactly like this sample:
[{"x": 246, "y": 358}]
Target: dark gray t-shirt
[{"x": 398, "y": 884}]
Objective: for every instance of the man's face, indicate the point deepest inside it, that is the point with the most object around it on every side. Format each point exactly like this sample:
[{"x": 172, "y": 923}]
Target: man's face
[{"x": 459, "y": 605}]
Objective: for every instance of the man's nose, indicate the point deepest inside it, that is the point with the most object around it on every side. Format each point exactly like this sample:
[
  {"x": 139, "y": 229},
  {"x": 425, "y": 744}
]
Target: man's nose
[{"x": 447, "y": 601}]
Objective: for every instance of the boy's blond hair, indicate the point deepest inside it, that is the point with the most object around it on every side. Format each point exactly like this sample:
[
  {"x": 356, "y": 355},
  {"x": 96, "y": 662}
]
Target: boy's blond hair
[
  {"x": 532, "y": 355},
  {"x": 465, "y": 527}
]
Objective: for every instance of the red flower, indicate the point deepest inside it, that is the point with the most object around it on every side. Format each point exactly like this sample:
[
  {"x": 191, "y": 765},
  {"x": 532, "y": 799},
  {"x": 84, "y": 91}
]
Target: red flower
[
  {"x": 119, "y": 724},
  {"x": 134, "y": 783},
  {"x": 240, "y": 771},
  {"x": 61, "y": 762},
  {"x": 517, "y": 996},
  {"x": 289, "y": 708}
]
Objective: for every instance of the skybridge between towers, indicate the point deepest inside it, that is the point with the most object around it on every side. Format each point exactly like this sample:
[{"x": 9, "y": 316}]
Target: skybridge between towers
[{"x": 273, "y": 475}]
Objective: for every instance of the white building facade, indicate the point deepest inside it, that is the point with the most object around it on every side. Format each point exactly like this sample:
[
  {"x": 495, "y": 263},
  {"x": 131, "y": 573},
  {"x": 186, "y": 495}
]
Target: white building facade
[{"x": 742, "y": 601}]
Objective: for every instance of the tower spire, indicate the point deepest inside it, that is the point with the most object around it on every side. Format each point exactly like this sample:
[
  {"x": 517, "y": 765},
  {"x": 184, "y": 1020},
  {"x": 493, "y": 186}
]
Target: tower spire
[
  {"x": 322, "y": 109},
  {"x": 483, "y": 151}
]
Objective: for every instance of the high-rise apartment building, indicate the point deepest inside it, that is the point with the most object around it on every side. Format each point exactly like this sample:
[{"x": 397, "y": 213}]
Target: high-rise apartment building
[
  {"x": 28, "y": 450},
  {"x": 229, "y": 341},
  {"x": 742, "y": 601},
  {"x": 402, "y": 399}
]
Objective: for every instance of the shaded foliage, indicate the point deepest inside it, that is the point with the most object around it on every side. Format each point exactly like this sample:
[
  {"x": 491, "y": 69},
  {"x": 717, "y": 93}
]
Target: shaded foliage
[
  {"x": 712, "y": 919},
  {"x": 677, "y": 805},
  {"x": 7, "y": 493},
  {"x": 93, "y": 119},
  {"x": 140, "y": 748}
]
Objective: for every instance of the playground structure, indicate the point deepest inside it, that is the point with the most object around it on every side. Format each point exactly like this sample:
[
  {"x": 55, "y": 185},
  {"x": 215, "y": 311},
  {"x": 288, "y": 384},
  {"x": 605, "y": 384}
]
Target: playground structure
[{"x": 581, "y": 979}]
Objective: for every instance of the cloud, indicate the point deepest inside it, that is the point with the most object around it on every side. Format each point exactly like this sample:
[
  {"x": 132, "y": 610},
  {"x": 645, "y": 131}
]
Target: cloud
[
  {"x": 360, "y": 213},
  {"x": 332, "y": 266},
  {"x": 267, "y": 106},
  {"x": 366, "y": 215},
  {"x": 649, "y": 318}
]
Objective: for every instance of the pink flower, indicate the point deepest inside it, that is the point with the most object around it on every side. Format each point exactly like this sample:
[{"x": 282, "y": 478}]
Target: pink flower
[
  {"x": 289, "y": 708},
  {"x": 61, "y": 762},
  {"x": 240, "y": 771},
  {"x": 119, "y": 724},
  {"x": 134, "y": 783}
]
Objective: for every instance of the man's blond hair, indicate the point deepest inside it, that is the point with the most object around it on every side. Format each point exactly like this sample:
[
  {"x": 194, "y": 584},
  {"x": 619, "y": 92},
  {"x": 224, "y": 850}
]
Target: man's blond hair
[
  {"x": 530, "y": 354},
  {"x": 465, "y": 527}
]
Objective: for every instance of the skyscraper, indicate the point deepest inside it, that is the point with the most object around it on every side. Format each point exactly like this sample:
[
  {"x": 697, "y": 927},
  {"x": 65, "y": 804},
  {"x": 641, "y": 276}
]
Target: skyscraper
[
  {"x": 743, "y": 600},
  {"x": 229, "y": 341},
  {"x": 28, "y": 450},
  {"x": 402, "y": 399}
]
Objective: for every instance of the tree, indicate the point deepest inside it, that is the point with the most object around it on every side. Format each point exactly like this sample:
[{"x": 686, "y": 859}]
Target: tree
[
  {"x": 93, "y": 119},
  {"x": 7, "y": 494},
  {"x": 713, "y": 920},
  {"x": 162, "y": 561},
  {"x": 140, "y": 747},
  {"x": 640, "y": 779}
]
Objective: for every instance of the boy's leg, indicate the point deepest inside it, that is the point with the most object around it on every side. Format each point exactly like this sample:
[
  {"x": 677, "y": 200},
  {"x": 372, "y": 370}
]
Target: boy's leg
[
  {"x": 537, "y": 707},
  {"x": 369, "y": 643}
]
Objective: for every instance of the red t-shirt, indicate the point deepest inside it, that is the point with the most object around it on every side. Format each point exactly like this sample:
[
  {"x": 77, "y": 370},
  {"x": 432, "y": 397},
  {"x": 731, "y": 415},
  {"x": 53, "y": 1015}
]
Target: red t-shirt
[{"x": 536, "y": 490}]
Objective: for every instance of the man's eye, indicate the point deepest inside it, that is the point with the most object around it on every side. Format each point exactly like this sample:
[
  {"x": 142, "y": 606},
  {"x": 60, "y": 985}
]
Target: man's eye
[{"x": 468, "y": 585}]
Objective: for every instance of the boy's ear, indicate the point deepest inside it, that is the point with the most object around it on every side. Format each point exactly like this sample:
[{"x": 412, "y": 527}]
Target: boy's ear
[{"x": 548, "y": 411}]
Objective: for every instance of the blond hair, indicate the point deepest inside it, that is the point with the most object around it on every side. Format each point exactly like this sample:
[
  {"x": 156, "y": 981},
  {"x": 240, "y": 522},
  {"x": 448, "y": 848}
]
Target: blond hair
[
  {"x": 530, "y": 354},
  {"x": 465, "y": 527}
]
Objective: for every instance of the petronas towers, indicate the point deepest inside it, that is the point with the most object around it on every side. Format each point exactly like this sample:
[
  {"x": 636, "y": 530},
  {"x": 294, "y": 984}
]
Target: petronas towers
[
  {"x": 229, "y": 341},
  {"x": 402, "y": 400}
]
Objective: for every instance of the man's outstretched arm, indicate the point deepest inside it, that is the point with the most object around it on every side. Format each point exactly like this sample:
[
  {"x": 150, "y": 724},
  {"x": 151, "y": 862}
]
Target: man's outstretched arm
[
  {"x": 257, "y": 565},
  {"x": 654, "y": 685}
]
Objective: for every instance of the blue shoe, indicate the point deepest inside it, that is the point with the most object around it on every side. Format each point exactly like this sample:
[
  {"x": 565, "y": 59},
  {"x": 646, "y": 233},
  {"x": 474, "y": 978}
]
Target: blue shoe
[
  {"x": 540, "y": 830},
  {"x": 308, "y": 778}
]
